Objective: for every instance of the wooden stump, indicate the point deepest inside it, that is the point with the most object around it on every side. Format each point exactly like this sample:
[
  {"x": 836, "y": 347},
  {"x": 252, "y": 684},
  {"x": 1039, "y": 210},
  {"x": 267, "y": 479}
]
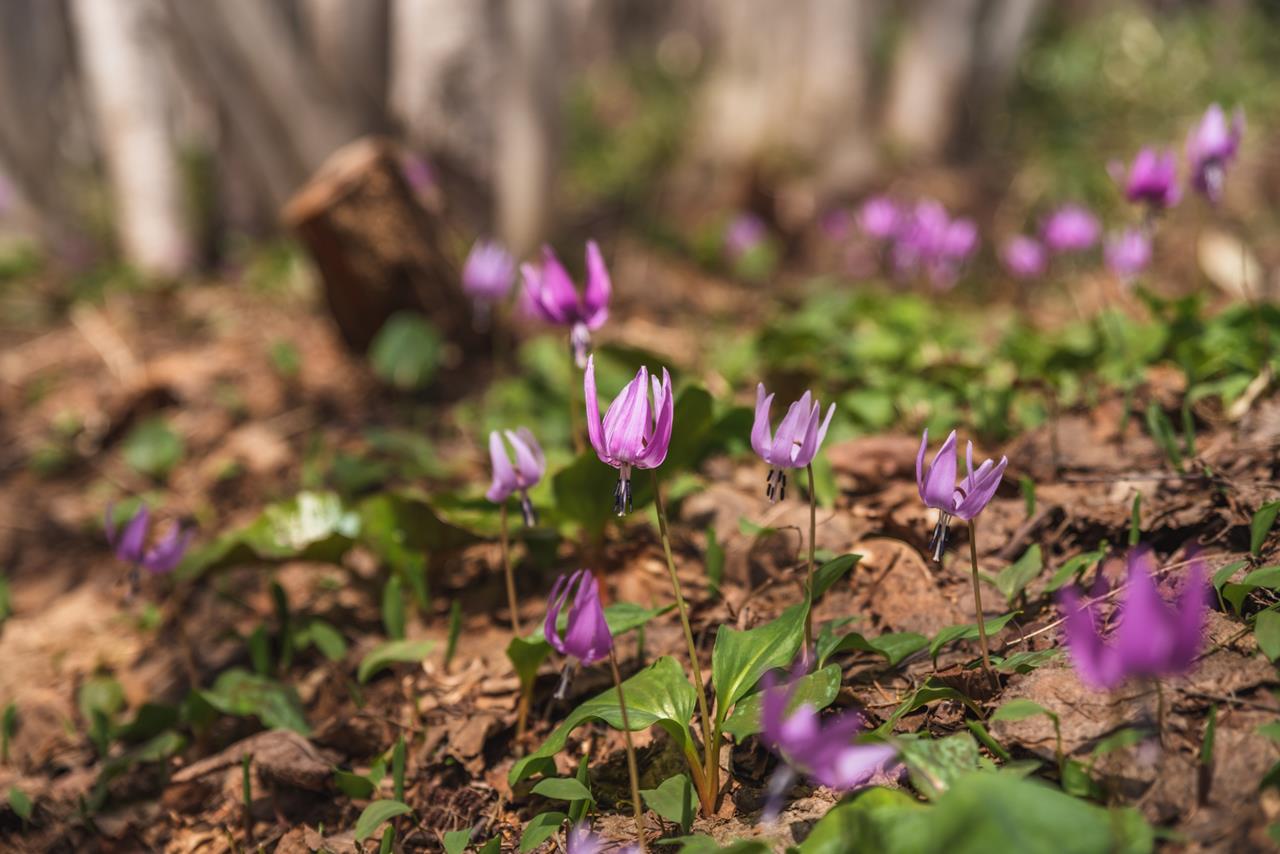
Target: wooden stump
[{"x": 377, "y": 249}]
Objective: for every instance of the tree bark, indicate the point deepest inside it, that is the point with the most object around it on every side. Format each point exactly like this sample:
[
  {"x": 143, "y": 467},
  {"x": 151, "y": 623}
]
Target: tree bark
[{"x": 351, "y": 43}]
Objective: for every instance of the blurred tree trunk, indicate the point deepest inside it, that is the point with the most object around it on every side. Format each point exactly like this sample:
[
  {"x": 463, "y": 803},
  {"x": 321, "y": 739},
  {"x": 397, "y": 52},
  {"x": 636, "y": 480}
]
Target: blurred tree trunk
[
  {"x": 931, "y": 73},
  {"x": 350, "y": 42},
  {"x": 1002, "y": 37},
  {"x": 119, "y": 49}
]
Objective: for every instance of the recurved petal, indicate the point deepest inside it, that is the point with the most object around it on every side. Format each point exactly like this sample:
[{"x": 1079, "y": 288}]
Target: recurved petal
[
  {"x": 627, "y": 418},
  {"x": 587, "y": 636},
  {"x": 1145, "y": 638},
  {"x": 1192, "y": 608},
  {"x": 981, "y": 487},
  {"x": 939, "y": 488},
  {"x": 539, "y": 458},
  {"x": 761, "y": 437},
  {"x": 165, "y": 555},
  {"x": 659, "y": 441},
  {"x": 134, "y": 537},
  {"x": 504, "y": 475},
  {"x": 1094, "y": 661},
  {"x": 558, "y": 294},
  {"x": 784, "y": 440},
  {"x": 528, "y": 470},
  {"x": 595, "y": 432},
  {"x": 555, "y": 602},
  {"x": 596, "y": 294}
]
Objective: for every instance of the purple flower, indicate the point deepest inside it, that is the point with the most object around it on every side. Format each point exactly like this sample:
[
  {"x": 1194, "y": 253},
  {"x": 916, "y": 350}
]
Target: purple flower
[
  {"x": 824, "y": 752},
  {"x": 1128, "y": 253},
  {"x": 745, "y": 233},
  {"x": 1071, "y": 228},
  {"x": 634, "y": 432},
  {"x": 528, "y": 470},
  {"x": 879, "y": 218},
  {"x": 581, "y": 840},
  {"x": 1024, "y": 257},
  {"x": 931, "y": 240},
  {"x": 586, "y": 635},
  {"x": 1211, "y": 146},
  {"x": 797, "y": 441},
  {"x": 1152, "y": 179},
  {"x": 1153, "y": 639},
  {"x": 938, "y": 489},
  {"x": 130, "y": 545},
  {"x": 551, "y": 294},
  {"x": 488, "y": 272}
]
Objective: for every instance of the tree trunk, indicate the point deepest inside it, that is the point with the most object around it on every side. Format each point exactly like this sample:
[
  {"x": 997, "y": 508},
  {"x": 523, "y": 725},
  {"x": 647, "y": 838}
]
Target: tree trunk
[
  {"x": 118, "y": 47},
  {"x": 350, "y": 42}
]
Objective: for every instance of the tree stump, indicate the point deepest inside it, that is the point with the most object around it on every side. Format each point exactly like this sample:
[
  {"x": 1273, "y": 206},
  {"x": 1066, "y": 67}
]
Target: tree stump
[{"x": 377, "y": 249}]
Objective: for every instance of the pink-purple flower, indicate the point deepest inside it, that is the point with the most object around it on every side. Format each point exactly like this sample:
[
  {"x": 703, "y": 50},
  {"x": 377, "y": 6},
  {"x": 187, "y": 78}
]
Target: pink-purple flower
[
  {"x": 929, "y": 239},
  {"x": 586, "y": 635},
  {"x": 1024, "y": 257},
  {"x": 130, "y": 544},
  {"x": 1152, "y": 179},
  {"x": 796, "y": 442},
  {"x": 488, "y": 272},
  {"x": 1211, "y": 146},
  {"x": 879, "y": 217},
  {"x": 1128, "y": 253},
  {"x": 936, "y": 483},
  {"x": 1153, "y": 638},
  {"x": 745, "y": 233},
  {"x": 551, "y": 294},
  {"x": 635, "y": 431},
  {"x": 1070, "y": 228},
  {"x": 530, "y": 465},
  {"x": 581, "y": 840}
]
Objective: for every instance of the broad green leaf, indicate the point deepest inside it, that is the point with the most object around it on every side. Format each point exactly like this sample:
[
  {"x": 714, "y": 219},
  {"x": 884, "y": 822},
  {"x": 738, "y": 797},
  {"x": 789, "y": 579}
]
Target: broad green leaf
[
  {"x": 393, "y": 608},
  {"x": 528, "y": 653},
  {"x": 1014, "y": 578},
  {"x": 406, "y": 352},
  {"x": 455, "y": 841},
  {"x": 376, "y": 814},
  {"x": 392, "y": 652},
  {"x": 153, "y": 448},
  {"x": 1074, "y": 566},
  {"x": 354, "y": 785},
  {"x": 740, "y": 658},
  {"x": 100, "y": 694},
  {"x": 714, "y": 561},
  {"x": 951, "y": 634},
  {"x": 1266, "y": 578},
  {"x": 930, "y": 692},
  {"x": 493, "y": 846},
  {"x": 1267, "y": 631},
  {"x": 20, "y": 803},
  {"x": 831, "y": 572},
  {"x": 935, "y": 763},
  {"x": 583, "y": 493},
  {"x": 818, "y": 689},
  {"x": 888, "y": 821},
  {"x": 699, "y": 844},
  {"x": 674, "y": 799},
  {"x": 539, "y": 829},
  {"x": 894, "y": 646},
  {"x": 1260, "y": 526},
  {"x": 244, "y": 694},
  {"x": 562, "y": 789},
  {"x": 326, "y": 638},
  {"x": 1025, "y": 661},
  {"x": 660, "y": 694},
  {"x": 693, "y": 412}
]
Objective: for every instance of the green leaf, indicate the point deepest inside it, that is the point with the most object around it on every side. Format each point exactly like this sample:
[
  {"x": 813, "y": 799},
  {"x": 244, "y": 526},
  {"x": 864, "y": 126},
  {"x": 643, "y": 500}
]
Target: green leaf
[
  {"x": 1266, "y": 578},
  {"x": 714, "y": 562},
  {"x": 100, "y": 694},
  {"x": 406, "y": 352},
  {"x": 1014, "y": 578},
  {"x": 1074, "y": 566},
  {"x": 8, "y": 728},
  {"x": 493, "y": 846},
  {"x": 1025, "y": 660},
  {"x": 1028, "y": 487},
  {"x": 455, "y": 631},
  {"x": 930, "y": 692},
  {"x": 243, "y": 694},
  {"x": 376, "y": 814},
  {"x": 1267, "y": 631},
  {"x": 455, "y": 841},
  {"x": 831, "y": 572},
  {"x": 693, "y": 412},
  {"x": 397, "y": 768},
  {"x": 894, "y": 646},
  {"x": 578, "y": 809},
  {"x": 326, "y": 638},
  {"x": 392, "y": 652},
  {"x": 153, "y": 448},
  {"x": 354, "y": 785},
  {"x": 1260, "y": 526},
  {"x": 259, "y": 650},
  {"x": 674, "y": 799},
  {"x": 20, "y": 803},
  {"x": 393, "y": 608},
  {"x": 818, "y": 689},
  {"x": 951, "y": 634},
  {"x": 563, "y": 789},
  {"x": 388, "y": 841},
  {"x": 740, "y": 658},
  {"x": 935, "y": 763},
  {"x": 659, "y": 694},
  {"x": 1270, "y": 730},
  {"x": 540, "y": 828},
  {"x": 582, "y": 493},
  {"x": 1160, "y": 428},
  {"x": 1020, "y": 709}
]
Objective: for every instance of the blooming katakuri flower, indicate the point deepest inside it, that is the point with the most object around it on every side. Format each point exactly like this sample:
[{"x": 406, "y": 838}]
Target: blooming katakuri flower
[
  {"x": 929, "y": 239},
  {"x": 938, "y": 489},
  {"x": 1153, "y": 639},
  {"x": 1024, "y": 257},
  {"x": 130, "y": 544},
  {"x": 586, "y": 637},
  {"x": 879, "y": 218},
  {"x": 582, "y": 841},
  {"x": 1128, "y": 253},
  {"x": 524, "y": 475},
  {"x": 488, "y": 272},
  {"x": 1070, "y": 228},
  {"x": 551, "y": 294},
  {"x": 745, "y": 233},
  {"x": 796, "y": 442},
  {"x": 635, "y": 432},
  {"x": 1211, "y": 146},
  {"x": 1152, "y": 179}
]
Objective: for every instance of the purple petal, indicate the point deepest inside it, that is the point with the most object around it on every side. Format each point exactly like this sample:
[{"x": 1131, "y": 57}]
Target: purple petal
[
  {"x": 1189, "y": 622},
  {"x": 1145, "y": 637},
  {"x": 555, "y": 602},
  {"x": 655, "y": 452},
  {"x": 529, "y": 460},
  {"x": 504, "y": 476},
  {"x": 939, "y": 486},
  {"x": 596, "y": 295},
  {"x": 595, "y": 432},
  {"x": 558, "y": 294},
  {"x": 532, "y": 302},
  {"x": 132, "y": 541},
  {"x": 1094, "y": 661},
  {"x": 761, "y": 437},
  {"x": 165, "y": 555},
  {"x": 982, "y": 487},
  {"x": 587, "y": 636},
  {"x": 782, "y": 453}
]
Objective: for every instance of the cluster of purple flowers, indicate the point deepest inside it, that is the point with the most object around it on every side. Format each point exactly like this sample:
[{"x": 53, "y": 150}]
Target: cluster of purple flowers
[{"x": 922, "y": 239}]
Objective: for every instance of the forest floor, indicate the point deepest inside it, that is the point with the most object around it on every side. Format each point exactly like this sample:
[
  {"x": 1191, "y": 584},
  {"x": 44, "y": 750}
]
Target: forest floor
[{"x": 262, "y": 397}]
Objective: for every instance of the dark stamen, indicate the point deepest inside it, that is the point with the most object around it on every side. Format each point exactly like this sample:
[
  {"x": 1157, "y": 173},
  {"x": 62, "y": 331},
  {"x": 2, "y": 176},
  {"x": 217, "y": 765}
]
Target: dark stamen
[
  {"x": 527, "y": 511},
  {"x": 622, "y": 496},
  {"x": 776, "y": 485},
  {"x": 938, "y": 542},
  {"x": 566, "y": 676}
]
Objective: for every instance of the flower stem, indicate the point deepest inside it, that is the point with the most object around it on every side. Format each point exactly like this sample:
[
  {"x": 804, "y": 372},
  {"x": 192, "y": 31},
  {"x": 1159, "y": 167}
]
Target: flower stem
[
  {"x": 511, "y": 578},
  {"x": 631, "y": 750},
  {"x": 712, "y": 749},
  {"x": 808, "y": 585},
  {"x": 575, "y": 381},
  {"x": 977, "y": 603}
]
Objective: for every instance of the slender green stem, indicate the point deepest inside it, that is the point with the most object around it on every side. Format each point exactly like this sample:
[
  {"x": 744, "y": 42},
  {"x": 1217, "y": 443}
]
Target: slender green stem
[
  {"x": 711, "y": 746},
  {"x": 575, "y": 381},
  {"x": 512, "y": 602},
  {"x": 631, "y": 750},
  {"x": 808, "y": 585},
  {"x": 977, "y": 603}
]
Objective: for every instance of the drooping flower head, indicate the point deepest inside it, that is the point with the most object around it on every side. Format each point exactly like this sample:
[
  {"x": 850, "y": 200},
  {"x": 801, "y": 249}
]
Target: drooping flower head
[
  {"x": 1128, "y": 253},
  {"x": 1071, "y": 228},
  {"x": 586, "y": 637},
  {"x": 938, "y": 489},
  {"x": 1024, "y": 257},
  {"x": 635, "y": 432},
  {"x": 879, "y": 218},
  {"x": 1153, "y": 639},
  {"x": 1211, "y": 146},
  {"x": 824, "y": 752},
  {"x": 795, "y": 444},
  {"x": 130, "y": 544},
  {"x": 930, "y": 240},
  {"x": 745, "y": 233},
  {"x": 551, "y": 294},
  {"x": 1152, "y": 179},
  {"x": 489, "y": 271},
  {"x": 529, "y": 467}
]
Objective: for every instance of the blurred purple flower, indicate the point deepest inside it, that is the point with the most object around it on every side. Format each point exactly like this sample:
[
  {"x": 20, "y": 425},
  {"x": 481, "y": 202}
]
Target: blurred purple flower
[
  {"x": 634, "y": 432},
  {"x": 1152, "y": 179},
  {"x": 836, "y": 223},
  {"x": 1153, "y": 639},
  {"x": 551, "y": 294},
  {"x": 938, "y": 489},
  {"x": 1128, "y": 253},
  {"x": 879, "y": 218},
  {"x": 929, "y": 239},
  {"x": 1071, "y": 228},
  {"x": 823, "y": 752},
  {"x": 1024, "y": 257},
  {"x": 1211, "y": 146},
  {"x": 581, "y": 840},
  {"x": 488, "y": 272},
  {"x": 419, "y": 174},
  {"x": 586, "y": 636},
  {"x": 745, "y": 233},
  {"x": 523, "y": 476},
  {"x": 799, "y": 436},
  {"x": 130, "y": 545}
]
